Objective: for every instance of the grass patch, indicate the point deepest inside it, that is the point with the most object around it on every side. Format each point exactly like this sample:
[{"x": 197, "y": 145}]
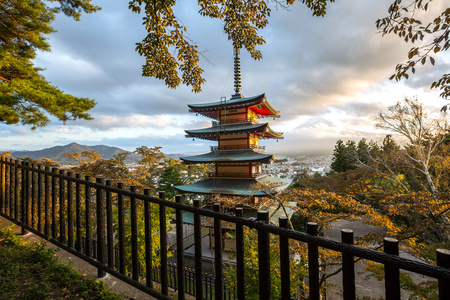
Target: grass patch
[{"x": 29, "y": 271}]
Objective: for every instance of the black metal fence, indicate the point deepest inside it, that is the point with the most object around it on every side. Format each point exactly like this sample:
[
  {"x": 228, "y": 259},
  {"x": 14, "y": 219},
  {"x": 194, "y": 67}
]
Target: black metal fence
[
  {"x": 172, "y": 273},
  {"x": 71, "y": 212}
]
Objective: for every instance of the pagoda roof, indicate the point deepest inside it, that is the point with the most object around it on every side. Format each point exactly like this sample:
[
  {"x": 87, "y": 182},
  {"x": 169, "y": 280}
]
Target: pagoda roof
[
  {"x": 234, "y": 186},
  {"x": 212, "y": 133},
  {"x": 210, "y": 109},
  {"x": 233, "y": 156}
]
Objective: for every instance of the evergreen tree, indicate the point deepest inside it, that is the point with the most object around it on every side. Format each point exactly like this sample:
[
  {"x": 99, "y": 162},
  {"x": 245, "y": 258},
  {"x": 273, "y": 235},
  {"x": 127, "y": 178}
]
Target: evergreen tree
[
  {"x": 338, "y": 161},
  {"x": 351, "y": 155},
  {"x": 389, "y": 144},
  {"x": 344, "y": 156},
  {"x": 363, "y": 150},
  {"x": 26, "y": 97},
  {"x": 170, "y": 178}
]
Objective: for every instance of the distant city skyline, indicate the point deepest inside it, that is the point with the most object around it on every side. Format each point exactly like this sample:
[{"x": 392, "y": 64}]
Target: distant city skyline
[{"x": 328, "y": 77}]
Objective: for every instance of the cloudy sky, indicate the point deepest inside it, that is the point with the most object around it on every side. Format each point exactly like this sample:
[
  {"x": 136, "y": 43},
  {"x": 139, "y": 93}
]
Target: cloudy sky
[{"x": 328, "y": 77}]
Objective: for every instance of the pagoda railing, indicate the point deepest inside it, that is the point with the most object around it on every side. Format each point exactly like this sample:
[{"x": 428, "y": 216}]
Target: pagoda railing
[
  {"x": 235, "y": 175},
  {"x": 67, "y": 211},
  {"x": 236, "y": 147},
  {"x": 231, "y": 121}
]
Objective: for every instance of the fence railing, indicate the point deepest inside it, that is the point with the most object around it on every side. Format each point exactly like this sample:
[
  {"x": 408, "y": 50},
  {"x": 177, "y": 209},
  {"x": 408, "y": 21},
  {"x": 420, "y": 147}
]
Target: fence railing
[
  {"x": 172, "y": 272},
  {"x": 71, "y": 212}
]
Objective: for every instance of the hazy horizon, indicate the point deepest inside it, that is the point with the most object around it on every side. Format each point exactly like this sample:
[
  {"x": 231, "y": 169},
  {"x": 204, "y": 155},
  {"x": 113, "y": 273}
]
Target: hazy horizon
[{"x": 290, "y": 153}]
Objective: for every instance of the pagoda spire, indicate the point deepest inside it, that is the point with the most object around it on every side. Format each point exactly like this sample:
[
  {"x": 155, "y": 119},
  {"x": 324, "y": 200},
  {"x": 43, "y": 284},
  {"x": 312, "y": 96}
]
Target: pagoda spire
[{"x": 237, "y": 74}]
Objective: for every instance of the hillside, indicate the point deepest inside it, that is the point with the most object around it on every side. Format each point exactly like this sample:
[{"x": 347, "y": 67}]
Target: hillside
[{"x": 58, "y": 153}]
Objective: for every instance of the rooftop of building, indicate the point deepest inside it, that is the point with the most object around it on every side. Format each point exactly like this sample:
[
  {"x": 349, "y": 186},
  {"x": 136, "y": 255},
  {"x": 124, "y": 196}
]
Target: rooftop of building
[
  {"x": 211, "y": 133},
  {"x": 236, "y": 155},
  {"x": 237, "y": 186},
  {"x": 257, "y": 104}
]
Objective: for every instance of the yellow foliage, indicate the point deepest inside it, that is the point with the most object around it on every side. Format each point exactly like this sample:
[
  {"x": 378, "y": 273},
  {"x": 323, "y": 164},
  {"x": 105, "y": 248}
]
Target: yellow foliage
[{"x": 85, "y": 157}]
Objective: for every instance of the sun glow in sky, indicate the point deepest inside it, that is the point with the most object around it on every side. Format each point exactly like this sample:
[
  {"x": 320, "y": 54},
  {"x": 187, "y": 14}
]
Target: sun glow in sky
[{"x": 328, "y": 77}]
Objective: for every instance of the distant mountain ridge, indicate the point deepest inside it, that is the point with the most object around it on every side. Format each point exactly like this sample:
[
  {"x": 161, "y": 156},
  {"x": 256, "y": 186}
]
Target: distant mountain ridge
[{"x": 58, "y": 153}]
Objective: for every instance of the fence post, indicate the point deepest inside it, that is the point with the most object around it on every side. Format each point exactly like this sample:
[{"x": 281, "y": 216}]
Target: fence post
[
  {"x": 5, "y": 188},
  {"x": 163, "y": 243},
  {"x": 134, "y": 238},
  {"x": 17, "y": 190},
  {"x": 348, "y": 267},
  {"x": 101, "y": 227},
  {"x": 443, "y": 260},
  {"x": 264, "y": 257},
  {"x": 8, "y": 184},
  {"x": 5, "y": 176},
  {"x": 39, "y": 198},
  {"x": 198, "y": 253},
  {"x": 218, "y": 288},
  {"x": 2, "y": 180},
  {"x": 240, "y": 272},
  {"x": 87, "y": 195},
  {"x": 62, "y": 209},
  {"x": 391, "y": 273},
  {"x": 28, "y": 218},
  {"x": 313, "y": 263},
  {"x": 121, "y": 220},
  {"x": 148, "y": 240},
  {"x": 78, "y": 212},
  {"x": 180, "y": 250},
  {"x": 70, "y": 211},
  {"x": 23, "y": 194},
  {"x": 12, "y": 188},
  {"x": 47, "y": 201},
  {"x": 109, "y": 226},
  {"x": 54, "y": 202},
  {"x": 284, "y": 261},
  {"x": 33, "y": 195}
]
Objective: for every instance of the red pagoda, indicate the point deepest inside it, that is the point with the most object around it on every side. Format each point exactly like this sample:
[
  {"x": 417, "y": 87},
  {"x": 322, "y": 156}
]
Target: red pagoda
[{"x": 238, "y": 157}]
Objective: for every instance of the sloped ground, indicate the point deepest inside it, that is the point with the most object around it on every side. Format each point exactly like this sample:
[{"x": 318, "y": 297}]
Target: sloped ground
[
  {"x": 370, "y": 288},
  {"x": 364, "y": 288},
  {"x": 85, "y": 269}
]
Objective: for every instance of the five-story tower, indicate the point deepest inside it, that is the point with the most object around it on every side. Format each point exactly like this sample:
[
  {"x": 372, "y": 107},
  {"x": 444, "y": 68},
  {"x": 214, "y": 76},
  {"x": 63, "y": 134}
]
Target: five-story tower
[{"x": 238, "y": 157}]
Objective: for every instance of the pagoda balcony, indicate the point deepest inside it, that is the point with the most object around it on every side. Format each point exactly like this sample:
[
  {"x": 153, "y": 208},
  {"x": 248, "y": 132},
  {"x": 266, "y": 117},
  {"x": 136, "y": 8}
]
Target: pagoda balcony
[
  {"x": 238, "y": 120},
  {"x": 236, "y": 175},
  {"x": 236, "y": 147}
]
